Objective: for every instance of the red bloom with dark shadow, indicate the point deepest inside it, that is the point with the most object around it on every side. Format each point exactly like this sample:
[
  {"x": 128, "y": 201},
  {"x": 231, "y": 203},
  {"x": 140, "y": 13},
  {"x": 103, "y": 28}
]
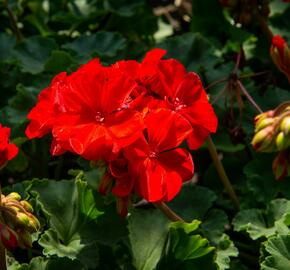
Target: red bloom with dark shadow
[
  {"x": 88, "y": 114},
  {"x": 133, "y": 116},
  {"x": 280, "y": 54},
  {"x": 7, "y": 150},
  {"x": 184, "y": 94},
  {"x": 157, "y": 164}
]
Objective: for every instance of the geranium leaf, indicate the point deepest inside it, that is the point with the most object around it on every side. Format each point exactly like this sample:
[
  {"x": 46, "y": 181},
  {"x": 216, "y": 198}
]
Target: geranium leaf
[
  {"x": 41, "y": 263},
  {"x": 186, "y": 249},
  {"x": 258, "y": 223},
  {"x": 102, "y": 44},
  {"x": 279, "y": 249},
  {"x": 193, "y": 202},
  {"x": 225, "y": 250},
  {"x": 199, "y": 52},
  {"x": 72, "y": 212},
  {"x": 147, "y": 233},
  {"x": 33, "y": 52}
]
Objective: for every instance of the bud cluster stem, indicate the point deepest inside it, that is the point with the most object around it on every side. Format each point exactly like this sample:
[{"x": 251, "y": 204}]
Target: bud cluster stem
[
  {"x": 167, "y": 211},
  {"x": 222, "y": 174}
]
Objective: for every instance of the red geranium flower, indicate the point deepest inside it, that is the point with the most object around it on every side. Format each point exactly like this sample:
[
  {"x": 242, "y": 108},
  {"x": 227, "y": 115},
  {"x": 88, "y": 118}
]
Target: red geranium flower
[
  {"x": 165, "y": 83},
  {"x": 158, "y": 166},
  {"x": 280, "y": 54},
  {"x": 88, "y": 113},
  {"x": 185, "y": 95},
  {"x": 131, "y": 115},
  {"x": 7, "y": 150}
]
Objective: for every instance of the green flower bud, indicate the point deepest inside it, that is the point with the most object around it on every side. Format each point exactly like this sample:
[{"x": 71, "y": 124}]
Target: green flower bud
[
  {"x": 27, "y": 206},
  {"x": 285, "y": 125},
  {"x": 280, "y": 166},
  {"x": 281, "y": 141},
  {"x": 268, "y": 114},
  {"x": 264, "y": 123},
  {"x": 34, "y": 224},
  {"x": 22, "y": 219},
  {"x": 263, "y": 140},
  {"x": 13, "y": 196}
]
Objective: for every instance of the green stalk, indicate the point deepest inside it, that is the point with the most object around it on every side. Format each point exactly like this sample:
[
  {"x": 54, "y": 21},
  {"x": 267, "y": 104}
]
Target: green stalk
[
  {"x": 167, "y": 211},
  {"x": 222, "y": 174}
]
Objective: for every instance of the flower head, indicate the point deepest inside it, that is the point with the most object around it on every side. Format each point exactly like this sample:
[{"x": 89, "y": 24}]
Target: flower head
[
  {"x": 280, "y": 54},
  {"x": 7, "y": 150},
  {"x": 131, "y": 115}
]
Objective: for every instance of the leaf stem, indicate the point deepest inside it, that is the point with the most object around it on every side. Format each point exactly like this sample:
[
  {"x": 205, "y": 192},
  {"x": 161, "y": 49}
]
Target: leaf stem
[
  {"x": 246, "y": 93},
  {"x": 222, "y": 174},
  {"x": 167, "y": 211},
  {"x": 263, "y": 24},
  {"x": 216, "y": 82},
  {"x": 13, "y": 21}
]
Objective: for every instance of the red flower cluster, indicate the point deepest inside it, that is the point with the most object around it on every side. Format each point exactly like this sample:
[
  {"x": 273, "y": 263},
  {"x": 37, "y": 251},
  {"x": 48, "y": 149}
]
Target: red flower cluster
[
  {"x": 7, "y": 150},
  {"x": 131, "y": 115},
  {"x": 280, "y": 54}
]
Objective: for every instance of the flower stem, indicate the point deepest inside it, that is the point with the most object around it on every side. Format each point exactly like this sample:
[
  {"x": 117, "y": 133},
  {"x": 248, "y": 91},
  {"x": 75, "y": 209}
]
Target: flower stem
[
  {"x": 248, "y": 96},
  {"x": 13, "y": 22},
  {"x": 3, "y": 265},
  {"x": 167, "y": 211},
  {"x": 222, "y": 174},
  {"x": 263, "y": 24}
]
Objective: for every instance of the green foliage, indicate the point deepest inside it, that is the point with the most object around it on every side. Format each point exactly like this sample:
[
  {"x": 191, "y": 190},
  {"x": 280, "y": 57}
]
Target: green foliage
[
  {"x": 147, "y": 233},
  {"x": 80, "y": 229},
  {"x": 279, "y": 253},
  {"x": 258, "y": 223},
  {"x": 72, "y": 218}
]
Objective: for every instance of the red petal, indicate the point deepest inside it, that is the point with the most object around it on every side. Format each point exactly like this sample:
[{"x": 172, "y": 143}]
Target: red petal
[
  {"x": 12, "y": 151},
  {"x": 202, "y": 114},
  {"x": 197, "y": 137},
  {"x": 189, "y": 90},
  {"x": 149, "y": 183},
  {"x": 126, "y": 126},
  {"x": 157, "y": 183},
  {"x": 123, "y": 186},
  {"x": 178, "y": 160},
  {"x": 154, "y": 56},
  {"x": 171, "y": 73},
  {"x": 91, "y": 141},
  {"x": 166, "y": 129}
]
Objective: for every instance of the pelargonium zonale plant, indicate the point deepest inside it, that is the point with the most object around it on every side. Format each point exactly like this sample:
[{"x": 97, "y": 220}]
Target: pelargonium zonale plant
[
  {"x": 131, "y": 116},
  {"x": 144, "y": 135}
]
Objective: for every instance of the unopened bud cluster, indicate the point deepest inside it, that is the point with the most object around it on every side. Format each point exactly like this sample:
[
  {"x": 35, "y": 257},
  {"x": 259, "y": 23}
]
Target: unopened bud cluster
[
  {"x": 17, "y": 222},
  {"x": 242, "y": 10},
  {"x": 272, "y": 134}
]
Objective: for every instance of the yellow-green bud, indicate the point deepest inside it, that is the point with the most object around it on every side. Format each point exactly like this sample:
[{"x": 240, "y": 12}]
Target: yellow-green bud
[
  {"x": 13, "y": 196},
  {"x": 34, "y": 224},
  {"x": 263, "y": 140},
  {"x": 285, "y": 125},
  {"x": 280, "y": 166},
  {"x": 27, "y": 206},
  {"x": 264, "y": 123},
  {"x": 22, "y": 219},
  {"x": 280, "y": 141}
]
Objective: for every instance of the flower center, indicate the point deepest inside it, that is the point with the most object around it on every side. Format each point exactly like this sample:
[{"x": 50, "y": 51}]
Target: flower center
[
  {"x": 99, "y": 117},
  {"x": 152, "y": 154},
  {"x": 177, "y": 104}
]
